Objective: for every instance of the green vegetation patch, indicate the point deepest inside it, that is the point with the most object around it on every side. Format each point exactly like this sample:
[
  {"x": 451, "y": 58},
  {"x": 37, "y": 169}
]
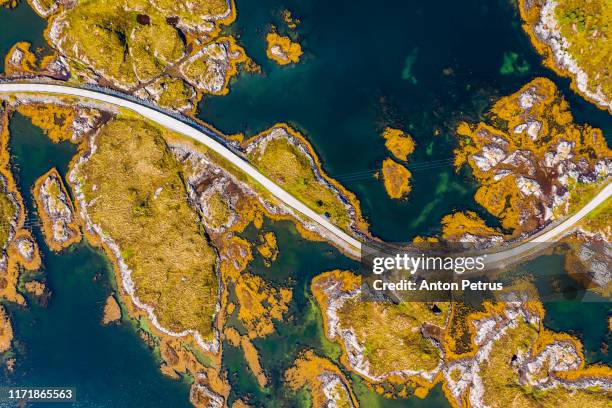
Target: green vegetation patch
[
  {"x": 175, "y": 93},
  {"x": 501, "y": 378},
  {"x": 8, "y": 212},
  {"x": 292, "y": 169},
  {"x": 140, "y": 201},
  {"x": 513, "y": 64},
  {"x": 126, "y": 43},
  {"x": 392, "y": 335},
  {"x": 587, "y": 25}
]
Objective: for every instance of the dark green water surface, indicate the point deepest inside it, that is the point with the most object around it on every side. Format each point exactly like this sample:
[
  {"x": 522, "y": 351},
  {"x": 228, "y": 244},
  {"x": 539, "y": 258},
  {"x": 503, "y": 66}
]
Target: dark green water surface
[
  {"x": 20, "y": 24},
  {"x": 64, "y": 344},
  {"x": 370, "y": 64}
]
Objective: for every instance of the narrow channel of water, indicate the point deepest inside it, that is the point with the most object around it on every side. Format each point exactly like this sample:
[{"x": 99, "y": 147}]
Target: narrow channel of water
[{"x": 64, "y": 344}]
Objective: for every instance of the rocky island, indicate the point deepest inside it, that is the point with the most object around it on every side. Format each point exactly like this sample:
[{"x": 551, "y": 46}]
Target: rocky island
[
  {"x": 531, "y": 158},
  {"x": 573, "y": 36},
  {"x": 174, "y": 52},
  {"x": 282, "y": 50},
  {"x": 511, "y": 356},
  {"x": 396, "y": 177},
  {"x": 60, "y": 225}
]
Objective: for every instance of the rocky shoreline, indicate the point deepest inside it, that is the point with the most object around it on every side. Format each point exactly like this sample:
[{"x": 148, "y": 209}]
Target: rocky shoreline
[
  {"x": 60, "y": 226},
  {"x": 546, "y": 31},
  {"x": 549, "y": 362},
  {"x": 211, "y": 345}
]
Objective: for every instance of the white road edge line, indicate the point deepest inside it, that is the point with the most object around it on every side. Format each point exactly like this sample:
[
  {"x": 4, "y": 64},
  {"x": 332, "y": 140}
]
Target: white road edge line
[{"x": 354, "y": 246}]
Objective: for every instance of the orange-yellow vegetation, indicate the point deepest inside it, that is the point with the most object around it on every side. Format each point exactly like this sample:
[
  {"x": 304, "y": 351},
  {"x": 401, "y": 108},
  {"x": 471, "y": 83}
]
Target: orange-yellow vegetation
[
  {"x": 510, "y": 148},
  {"x": 239, "y": 253},
  {"x": 112, "y": 311},
  {"x": 458, "y": 224},
  {"x": 400, "y": 144},
  {"x": 20, "y": 59},
  {"x": 35, "y": 288},
  {"x": 396, "y": 179},
  {"x": 289, "y": 19},
  {"x": 181, "y": 355},
  {"x": 252, "y": 358},
  {"x": 282, "y": 50},
  {"x": 9, "y": 3},
  {"x": 6, "y": 331},
  {"x": 59, "y": 222},
  {"x": 24, "y": 250},
  {"x": 240, "y": 404},
  {"x": 585, "y": 30},
  {"x": 457, "y": 337},
  {"x": 232, "y": 336},
  {"x": 268, "y": 248},
  {"x": 55, "y": 120},
  {"x": 230, "y": 308},
  {"x": 425, "y": 240},
  {"x": 309, "y": 370},
  {"x": 260, "y": 304}
]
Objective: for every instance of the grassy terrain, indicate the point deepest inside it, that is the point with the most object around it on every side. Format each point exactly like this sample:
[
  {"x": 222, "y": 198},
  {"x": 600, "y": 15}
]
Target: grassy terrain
[
  {"x": 8, "y": 210},
  {"x": 142, "y": 205},
  {"x": 291, "y": 169},
  {"x": 391, "y": 334},
  {"x": 107, "y": 36},
  {"x": 396, "y": 179},
  {"x": 587, "y": 25},
  {"x": 400, "y": 144},
  {"x": 500, "y": 378},
  {"x": 175, "y": 93}
]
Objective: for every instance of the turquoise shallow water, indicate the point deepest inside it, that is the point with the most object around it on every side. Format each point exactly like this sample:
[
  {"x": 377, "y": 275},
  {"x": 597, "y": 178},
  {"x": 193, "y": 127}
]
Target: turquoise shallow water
[
  {"x": 366, "y": 66},
  {"x": 302, "y": 327}
]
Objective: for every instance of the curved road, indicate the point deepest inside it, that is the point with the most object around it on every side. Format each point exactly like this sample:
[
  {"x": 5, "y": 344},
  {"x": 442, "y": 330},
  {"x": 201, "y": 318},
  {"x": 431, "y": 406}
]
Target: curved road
[
  {"x": 349, "y": 243},
  {"x": 555, "y": 233}
]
